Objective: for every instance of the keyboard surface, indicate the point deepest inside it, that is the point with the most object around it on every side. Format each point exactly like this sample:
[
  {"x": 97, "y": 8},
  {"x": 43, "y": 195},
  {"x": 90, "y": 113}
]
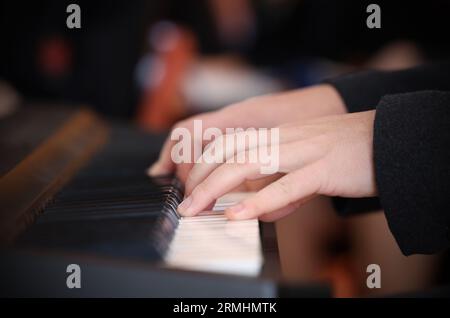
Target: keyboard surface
[{"x": 113, "y": 208}]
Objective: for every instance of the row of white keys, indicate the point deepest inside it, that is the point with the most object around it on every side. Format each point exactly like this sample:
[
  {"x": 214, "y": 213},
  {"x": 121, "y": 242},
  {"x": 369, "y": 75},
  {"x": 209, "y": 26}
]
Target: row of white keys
[{"x": 210, "y": 242}]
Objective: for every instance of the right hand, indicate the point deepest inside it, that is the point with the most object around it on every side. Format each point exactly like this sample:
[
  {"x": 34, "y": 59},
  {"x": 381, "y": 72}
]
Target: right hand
[{"x": 266, "y": 111}]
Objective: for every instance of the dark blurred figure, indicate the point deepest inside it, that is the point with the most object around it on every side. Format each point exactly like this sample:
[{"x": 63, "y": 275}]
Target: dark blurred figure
[
  {"x": 283, "y": 30},
  {"x": 43, "y": 59}
]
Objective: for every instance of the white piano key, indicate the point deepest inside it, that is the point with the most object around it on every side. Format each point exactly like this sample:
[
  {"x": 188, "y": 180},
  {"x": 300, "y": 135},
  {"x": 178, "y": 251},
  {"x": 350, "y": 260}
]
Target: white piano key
[{"x": 210, "y": 242}]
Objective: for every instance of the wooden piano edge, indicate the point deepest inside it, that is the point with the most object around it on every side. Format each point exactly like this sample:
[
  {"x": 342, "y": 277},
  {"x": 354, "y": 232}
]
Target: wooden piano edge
[{"x": 25, "y": 189}]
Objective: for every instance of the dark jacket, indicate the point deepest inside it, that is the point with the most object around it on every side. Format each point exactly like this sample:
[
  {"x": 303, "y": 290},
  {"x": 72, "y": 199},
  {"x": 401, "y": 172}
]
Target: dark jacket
[{"x": 411, "y": 150}]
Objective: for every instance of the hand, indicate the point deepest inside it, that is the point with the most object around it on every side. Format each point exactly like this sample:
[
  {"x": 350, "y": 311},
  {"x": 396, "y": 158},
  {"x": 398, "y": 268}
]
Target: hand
[
  {"x": 259, "y": 112},
  {"x": 329, "y": 156}
]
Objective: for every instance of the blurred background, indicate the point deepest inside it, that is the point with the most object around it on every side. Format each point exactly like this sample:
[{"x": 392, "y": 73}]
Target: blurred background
[
  {"x": 153, "y": 63},
  {"x": 205, "y": 53}
]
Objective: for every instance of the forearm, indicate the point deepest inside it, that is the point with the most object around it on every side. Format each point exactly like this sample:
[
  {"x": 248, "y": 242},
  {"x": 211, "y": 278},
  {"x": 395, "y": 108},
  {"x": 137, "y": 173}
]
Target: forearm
[{"x": 273, "y": 110}]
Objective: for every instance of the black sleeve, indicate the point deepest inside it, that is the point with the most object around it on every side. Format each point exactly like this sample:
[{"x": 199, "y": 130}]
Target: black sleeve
[
  {"x": 412, "y": 168},
  {"x": 362, "y": 91}
]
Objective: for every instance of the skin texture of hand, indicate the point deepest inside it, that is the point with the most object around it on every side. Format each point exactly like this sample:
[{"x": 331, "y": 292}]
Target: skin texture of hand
[
  {"x": 330, "y": 156},
  {"x": 259, "y": 112}
]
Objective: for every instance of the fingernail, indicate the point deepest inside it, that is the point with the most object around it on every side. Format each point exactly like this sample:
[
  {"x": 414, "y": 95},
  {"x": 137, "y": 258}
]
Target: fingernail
[
  {"x": 184, "y": 206},
  {"x": 239, "y": 208}
]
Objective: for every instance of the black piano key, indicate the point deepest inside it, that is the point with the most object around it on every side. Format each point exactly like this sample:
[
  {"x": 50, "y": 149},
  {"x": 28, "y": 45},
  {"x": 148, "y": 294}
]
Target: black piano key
[
  {"x": 140, "y": 238},
  {"x": 112, "y": 207}
]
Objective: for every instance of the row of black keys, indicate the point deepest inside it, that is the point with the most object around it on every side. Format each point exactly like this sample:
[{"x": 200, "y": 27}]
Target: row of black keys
[
  {"x": 132, "y": 216},
  {"x": 111, "y": 207}
]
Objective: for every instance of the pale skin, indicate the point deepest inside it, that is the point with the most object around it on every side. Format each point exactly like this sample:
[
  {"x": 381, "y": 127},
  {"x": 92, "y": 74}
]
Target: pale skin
[
  {"x": 257, "y": 112},
  {"x": 323, "y": 151}
]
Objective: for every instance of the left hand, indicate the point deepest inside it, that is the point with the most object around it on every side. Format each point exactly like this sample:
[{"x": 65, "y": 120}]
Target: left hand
[{"x": 326, "y": 156}]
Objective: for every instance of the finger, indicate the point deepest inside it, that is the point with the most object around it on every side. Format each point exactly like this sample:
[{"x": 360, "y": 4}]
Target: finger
[
  {"x": 220, "y": 181},
  {"x": 280, "y": 213},
  {"x": 202, "y": 168},
  {"x": 228, "y": 146},
  {"x": 228, "y": 175},
  {"x": 222, "y": 149},
  {"x": 256, "y": 185},
  {"x": 292, "y": 187},
  {"x": 165, "y": 164},
  {"x": 210, "y": 207},
  {"x": 182, "y": 171}
]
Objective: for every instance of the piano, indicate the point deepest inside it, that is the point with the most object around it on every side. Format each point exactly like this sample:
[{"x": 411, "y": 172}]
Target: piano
[{"x": 73, "y": 190}]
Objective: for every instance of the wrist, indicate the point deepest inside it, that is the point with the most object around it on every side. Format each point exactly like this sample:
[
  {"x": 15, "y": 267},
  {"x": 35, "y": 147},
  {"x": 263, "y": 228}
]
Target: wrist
[{"x": 330, "y": 101}]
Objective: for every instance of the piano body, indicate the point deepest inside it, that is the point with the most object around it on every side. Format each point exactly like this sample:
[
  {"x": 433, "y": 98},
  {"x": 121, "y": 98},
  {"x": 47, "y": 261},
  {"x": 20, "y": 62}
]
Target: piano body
[{"x": 73, "y": 190}]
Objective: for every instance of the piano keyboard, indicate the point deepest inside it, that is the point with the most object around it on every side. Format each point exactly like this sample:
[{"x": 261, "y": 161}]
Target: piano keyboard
[
  {"x": 73, "y": 190},
  {"x": 112, "y": 208}
]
